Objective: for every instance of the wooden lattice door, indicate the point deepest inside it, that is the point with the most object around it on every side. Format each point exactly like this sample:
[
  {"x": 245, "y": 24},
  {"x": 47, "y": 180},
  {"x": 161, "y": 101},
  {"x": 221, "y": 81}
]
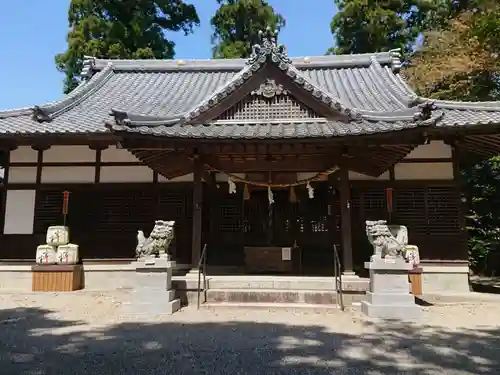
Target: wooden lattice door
[
  {"x": 318, "y": 226},
  {"x": 269, "y": 225}
]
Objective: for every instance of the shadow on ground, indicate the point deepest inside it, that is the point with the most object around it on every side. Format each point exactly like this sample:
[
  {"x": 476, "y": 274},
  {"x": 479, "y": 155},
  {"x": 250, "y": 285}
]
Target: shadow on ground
[
  {"x": 33, "y": 343},
  {"x": 490, "y": 285}
]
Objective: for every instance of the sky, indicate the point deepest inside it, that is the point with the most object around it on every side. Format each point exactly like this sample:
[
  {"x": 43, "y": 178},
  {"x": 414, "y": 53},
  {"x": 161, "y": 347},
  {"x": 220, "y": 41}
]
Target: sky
[{"x": 32, "y": 32}]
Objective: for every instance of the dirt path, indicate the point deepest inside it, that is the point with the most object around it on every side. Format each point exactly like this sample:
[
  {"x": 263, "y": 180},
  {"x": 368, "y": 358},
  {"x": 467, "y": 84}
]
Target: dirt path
[{"x": 87, "y": 333}]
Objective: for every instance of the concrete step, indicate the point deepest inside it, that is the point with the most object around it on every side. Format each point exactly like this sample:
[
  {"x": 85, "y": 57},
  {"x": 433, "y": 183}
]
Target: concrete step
[
  {"x": 309, "y": 307},
  {"x": 274, "y": 296}
]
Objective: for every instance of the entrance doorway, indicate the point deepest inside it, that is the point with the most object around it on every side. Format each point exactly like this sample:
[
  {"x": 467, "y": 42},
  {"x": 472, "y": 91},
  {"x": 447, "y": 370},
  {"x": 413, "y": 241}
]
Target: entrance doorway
[{"x": 312, "y": 225}]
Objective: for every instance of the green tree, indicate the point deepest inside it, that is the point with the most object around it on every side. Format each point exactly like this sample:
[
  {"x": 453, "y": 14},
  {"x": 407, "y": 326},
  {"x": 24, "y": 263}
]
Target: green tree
[
  {"x": 459, "y": 61},
  {"x": 121, "y": 29},
  {"x": 236, "y": 26},
  {"x": 362, "y": 26}
]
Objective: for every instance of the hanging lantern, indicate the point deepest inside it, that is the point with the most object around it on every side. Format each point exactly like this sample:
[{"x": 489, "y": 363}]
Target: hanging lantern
[
  {"x": 246, "y": 193},
  {"x": 293, "y": 196}
]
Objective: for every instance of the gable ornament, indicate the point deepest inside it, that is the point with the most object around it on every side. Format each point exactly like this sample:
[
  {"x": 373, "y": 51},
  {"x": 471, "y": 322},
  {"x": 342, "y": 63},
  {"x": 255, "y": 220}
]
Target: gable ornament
[{"x": 269, "y": 89}]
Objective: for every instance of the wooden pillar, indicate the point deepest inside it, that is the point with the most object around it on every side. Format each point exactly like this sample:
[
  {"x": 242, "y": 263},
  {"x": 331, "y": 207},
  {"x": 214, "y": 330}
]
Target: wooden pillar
[
  {"x": 345, "y": 217},
  {"x": 455, "y": 155},
  {"x": 197, "y": 211},
  {"x": 6, "y": 165}
]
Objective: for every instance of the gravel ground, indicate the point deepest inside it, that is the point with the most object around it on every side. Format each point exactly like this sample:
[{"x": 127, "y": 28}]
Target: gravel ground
[{"x": 88, "y": 333}]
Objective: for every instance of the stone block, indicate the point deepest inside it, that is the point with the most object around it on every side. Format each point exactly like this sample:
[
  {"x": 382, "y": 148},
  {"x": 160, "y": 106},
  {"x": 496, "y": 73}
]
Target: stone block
[
  {"x": 399, "y": 312},
  {"x": 389, "y": 296},
  {"x": 152, "y": 293}
]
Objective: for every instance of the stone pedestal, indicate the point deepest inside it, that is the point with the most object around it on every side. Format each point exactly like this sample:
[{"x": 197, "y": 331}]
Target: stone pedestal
[
  {"x": 389, "y": 295},
  {"x": 153, "y": 293}
]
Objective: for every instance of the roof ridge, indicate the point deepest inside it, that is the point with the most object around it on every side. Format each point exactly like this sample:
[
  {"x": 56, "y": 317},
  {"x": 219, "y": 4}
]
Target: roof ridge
[
  {"x": 492, "y": 106},
  {"x": 270, "y": 52},
  {"x": 48, "y": 111},
  {"x": 15, "y": 112},
  {"x": 92, "y": 64}
]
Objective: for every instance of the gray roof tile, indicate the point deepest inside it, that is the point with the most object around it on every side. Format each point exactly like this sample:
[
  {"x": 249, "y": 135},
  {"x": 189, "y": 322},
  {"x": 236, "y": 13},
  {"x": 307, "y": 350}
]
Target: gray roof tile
[
  {"x": 305, "y": 128},
  {"x": 158, "y": 93}
]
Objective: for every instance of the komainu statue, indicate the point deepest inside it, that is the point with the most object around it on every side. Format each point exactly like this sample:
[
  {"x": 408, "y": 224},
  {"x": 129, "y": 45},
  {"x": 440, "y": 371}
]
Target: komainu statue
[
  {"x": 158, "y": 242},
  {"x": 410, "y": 252},
  {"x": 383, "y": 241},
  {"x": 391, "y": 240}
]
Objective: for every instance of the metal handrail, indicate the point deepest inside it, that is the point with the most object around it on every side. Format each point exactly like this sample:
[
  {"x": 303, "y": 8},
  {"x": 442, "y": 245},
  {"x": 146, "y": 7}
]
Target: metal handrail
[
  {"x": 202, "y": 267},
  {"x": 337, "y": 270}
]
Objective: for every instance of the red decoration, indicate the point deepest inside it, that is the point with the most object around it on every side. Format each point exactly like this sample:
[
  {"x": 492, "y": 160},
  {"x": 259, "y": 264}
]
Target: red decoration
[
  {"x": 65, "y": 202},
  {"x": 388, "y": 196}
]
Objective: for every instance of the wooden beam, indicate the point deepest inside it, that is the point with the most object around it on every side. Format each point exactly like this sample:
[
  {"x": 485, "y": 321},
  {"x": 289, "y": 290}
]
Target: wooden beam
[
  {"x": 318, "y": 163},
  {"x": 345, "y": 218},
  {"x": 457, "y": 178},
  {"x": 197, "y": 212},
  {"x": 6, "y": 167}
]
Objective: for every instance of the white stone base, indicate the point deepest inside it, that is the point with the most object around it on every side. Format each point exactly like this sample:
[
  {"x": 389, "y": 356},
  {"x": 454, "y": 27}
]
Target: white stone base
[
  {"x": 399, "y": 312},
  {"x": 445, "y": 279},
  {"x": 389, "y": 296},
  {"x": 16, "y": 279}
]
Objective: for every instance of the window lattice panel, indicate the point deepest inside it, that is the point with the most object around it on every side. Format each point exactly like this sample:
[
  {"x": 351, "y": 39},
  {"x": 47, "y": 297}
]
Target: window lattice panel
[{"x": 260, "y": 108}]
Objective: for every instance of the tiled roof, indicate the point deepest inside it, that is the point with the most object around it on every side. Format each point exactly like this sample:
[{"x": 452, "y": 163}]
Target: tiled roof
[
  {"x": 303, "y": 128},
  {"x": 161, "y": 97}
]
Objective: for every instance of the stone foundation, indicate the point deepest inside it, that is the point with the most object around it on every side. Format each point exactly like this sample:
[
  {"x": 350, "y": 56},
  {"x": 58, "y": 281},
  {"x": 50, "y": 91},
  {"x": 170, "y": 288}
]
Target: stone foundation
[
  {"x": 152, "y": 293},
  {"x": 389, "y": 297},
  {"x": 15, "y": 278},
  {"x": 445, "y": 279}
]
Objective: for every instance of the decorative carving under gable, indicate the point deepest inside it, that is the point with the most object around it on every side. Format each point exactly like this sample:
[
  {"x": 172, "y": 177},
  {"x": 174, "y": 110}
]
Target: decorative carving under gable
[
  {"x": 259, "y": 107},
  {"x": 269, "y": 88}
]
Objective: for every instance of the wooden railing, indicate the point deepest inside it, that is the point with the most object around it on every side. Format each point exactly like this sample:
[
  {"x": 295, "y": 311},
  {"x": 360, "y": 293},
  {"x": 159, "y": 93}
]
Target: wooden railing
[
  {"x": 337, "y": 272},
  {"x": 202, "y": 269}
]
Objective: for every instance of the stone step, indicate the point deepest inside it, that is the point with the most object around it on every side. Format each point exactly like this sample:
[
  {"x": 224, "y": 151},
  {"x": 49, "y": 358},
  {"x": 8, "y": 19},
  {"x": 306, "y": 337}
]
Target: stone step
[
  {"x": 273, "y": 296},
  {"x": 309, "y": 307},
  {"x": 286, "y": 283}
]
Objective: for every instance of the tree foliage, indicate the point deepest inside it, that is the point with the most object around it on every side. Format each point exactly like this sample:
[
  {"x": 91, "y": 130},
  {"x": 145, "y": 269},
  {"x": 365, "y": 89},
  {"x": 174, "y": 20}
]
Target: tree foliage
[
  {"x": 362, "y": 26},
  {"x": 458, "y": 60},
  {"x": 236, "y": 26},
  {"x": 121, "y": 29}
]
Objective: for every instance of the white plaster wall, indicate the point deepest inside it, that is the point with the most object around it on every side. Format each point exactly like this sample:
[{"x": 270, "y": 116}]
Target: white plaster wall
[
  {"x": 22, "y": 175},
  {"x": 126, "y": 174},
  {"x": 436, "y": 149},
  {"x": 75, "y": 175},
  {"x": 23, "y": 154},
  {"x": 69, "y": 154},
  {"x": 113, "y": 154},
  {"x": 423, "y": 171},
  {"x": 360, "y": 176},
  {"x": 184, "y": 178},
  {"x": 19, "y": 212}
]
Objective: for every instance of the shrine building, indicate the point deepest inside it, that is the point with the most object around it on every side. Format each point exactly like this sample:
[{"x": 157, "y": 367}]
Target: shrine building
[{"x": 246, "y": 155}]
